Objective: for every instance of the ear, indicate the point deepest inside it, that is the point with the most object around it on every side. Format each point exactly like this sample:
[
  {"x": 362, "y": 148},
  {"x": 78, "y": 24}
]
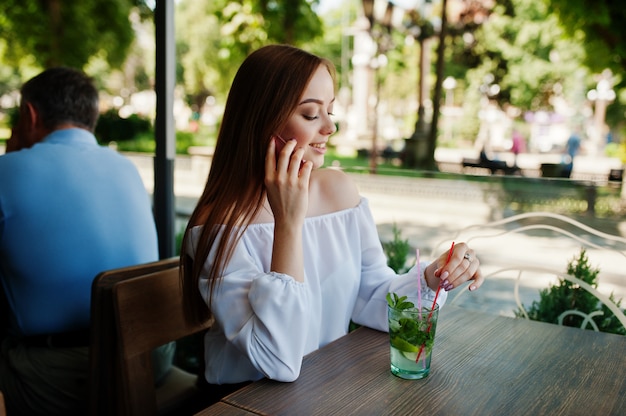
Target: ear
[
  {"x": 31, "y": 113},
  {"x": 29, "y": 129}
]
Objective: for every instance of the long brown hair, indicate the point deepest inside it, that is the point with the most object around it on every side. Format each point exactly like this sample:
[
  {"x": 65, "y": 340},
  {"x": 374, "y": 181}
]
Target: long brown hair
[{"x": 263, "y": 96}]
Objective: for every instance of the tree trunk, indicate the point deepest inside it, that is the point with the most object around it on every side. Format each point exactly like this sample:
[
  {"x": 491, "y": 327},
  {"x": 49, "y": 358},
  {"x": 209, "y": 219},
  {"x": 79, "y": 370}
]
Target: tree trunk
[
  {"x": 56, "y": 28},
  {"x": 432, "y": 138}
]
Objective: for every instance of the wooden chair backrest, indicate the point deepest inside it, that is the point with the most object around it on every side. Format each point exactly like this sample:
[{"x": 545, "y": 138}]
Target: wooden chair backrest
[
  {"x": 104, "y": 357},
  {"x": 149, "y": 313},
  {"x": 3, "y": 411}
]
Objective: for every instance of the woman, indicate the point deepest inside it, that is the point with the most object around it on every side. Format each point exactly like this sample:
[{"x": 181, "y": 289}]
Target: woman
[{"x": 285, "y": 254}]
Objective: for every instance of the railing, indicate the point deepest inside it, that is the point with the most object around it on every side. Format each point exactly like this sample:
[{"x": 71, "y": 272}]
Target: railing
[
  {"x": 592, "y": 196},
  {"x": 521, "y": 194}
]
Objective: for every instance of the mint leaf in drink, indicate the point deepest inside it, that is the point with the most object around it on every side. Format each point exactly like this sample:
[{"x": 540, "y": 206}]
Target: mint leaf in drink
[
  {"x": 398, "y": 302},
  {"x": 407, "y": 333}
]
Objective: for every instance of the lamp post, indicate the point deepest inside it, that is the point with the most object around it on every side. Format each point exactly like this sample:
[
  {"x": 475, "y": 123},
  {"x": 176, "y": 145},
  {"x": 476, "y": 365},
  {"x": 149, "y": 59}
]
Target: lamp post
[
  {"x": 488, "y": 89},
  {"x": 602, "y": 95},
  {"x": 449, "y": 84}
]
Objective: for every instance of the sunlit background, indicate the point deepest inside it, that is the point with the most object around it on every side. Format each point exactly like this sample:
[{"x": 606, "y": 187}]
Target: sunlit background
[{"x": 535, "y": 67}]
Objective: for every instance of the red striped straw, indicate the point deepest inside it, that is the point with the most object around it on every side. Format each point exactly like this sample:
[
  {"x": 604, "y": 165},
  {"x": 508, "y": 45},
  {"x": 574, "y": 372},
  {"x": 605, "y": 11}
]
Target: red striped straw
[
  {"x": 430, "y": 324},
  {"x": 439, "y": 288}
]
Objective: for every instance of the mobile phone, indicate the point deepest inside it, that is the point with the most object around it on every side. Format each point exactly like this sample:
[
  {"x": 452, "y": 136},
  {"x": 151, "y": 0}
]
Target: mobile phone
[{"x": 280, "y": 143}]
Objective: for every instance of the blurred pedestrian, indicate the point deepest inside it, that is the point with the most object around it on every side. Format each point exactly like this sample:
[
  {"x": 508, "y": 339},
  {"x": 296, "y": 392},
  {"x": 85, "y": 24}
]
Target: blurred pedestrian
[
  {"x": 572, "y": 147},
  {"x": 518, "y": 146}
]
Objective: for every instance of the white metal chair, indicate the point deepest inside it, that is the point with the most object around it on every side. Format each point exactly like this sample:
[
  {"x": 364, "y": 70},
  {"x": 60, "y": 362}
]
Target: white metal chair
[{"x": 532, "y": 250}]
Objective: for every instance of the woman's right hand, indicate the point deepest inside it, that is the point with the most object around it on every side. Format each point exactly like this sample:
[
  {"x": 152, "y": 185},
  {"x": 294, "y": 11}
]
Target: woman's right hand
[{"x": 287, "y": 182}]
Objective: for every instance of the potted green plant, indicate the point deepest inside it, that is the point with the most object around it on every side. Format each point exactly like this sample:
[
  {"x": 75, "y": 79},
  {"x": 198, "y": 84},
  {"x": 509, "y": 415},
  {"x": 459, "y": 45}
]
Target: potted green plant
[{"x": 566, "y": 295}]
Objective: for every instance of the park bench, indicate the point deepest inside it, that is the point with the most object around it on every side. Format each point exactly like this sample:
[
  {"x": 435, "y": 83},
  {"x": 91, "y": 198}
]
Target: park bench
[{"x": 492, "y": 165}]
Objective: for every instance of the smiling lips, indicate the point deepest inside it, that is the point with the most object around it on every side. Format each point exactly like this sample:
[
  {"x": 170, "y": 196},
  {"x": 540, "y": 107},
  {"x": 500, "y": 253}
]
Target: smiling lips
[
  {"x": 316, "y": 145},
  {"x": 319, "y": 147}
]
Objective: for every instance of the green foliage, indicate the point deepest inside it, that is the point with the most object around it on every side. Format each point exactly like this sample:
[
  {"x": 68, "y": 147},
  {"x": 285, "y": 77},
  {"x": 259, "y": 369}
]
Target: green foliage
[
  {"x": 603, "y": 32},
  {"x": 145, "y": 143},
  {"x": 335, "y": 39},
  {"x": 184, "y": 139},
  {"x": 397, "y": 251},
  {"x": 524, "y": 48},
  {"x": 214, "y": 37},
  {"x": 566, "y": 295},
  {"x": 10, "y": 79},
  {"x": 399, "y": 302},
  {"x": 616, "y": 150},
  {"x": 408, "y": 334},
  {"x": 12, "y": 115},
  {"x": 291, "y": 22},
  {"x": 179, "y": 239},
  {"x": 69, "y": 33},
  {"x": 111, "y": 127},
  {"x": 135, "y": 134}
]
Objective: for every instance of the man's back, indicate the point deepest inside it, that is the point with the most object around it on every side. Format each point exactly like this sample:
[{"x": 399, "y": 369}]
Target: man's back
[{"x": 69, "y": 209}]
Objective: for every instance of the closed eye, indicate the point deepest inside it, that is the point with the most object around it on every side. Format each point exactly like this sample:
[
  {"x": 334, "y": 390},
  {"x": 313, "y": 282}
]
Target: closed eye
[{"x": 311, "y": 118}]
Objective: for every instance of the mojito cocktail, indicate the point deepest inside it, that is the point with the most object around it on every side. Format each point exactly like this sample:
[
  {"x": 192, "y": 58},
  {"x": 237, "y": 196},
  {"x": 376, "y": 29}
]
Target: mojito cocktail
[{"x": 411, "y": 338}]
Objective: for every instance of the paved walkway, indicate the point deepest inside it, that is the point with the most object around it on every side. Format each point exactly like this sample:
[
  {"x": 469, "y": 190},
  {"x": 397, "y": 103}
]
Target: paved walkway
[{"x": 429, "y": 211}]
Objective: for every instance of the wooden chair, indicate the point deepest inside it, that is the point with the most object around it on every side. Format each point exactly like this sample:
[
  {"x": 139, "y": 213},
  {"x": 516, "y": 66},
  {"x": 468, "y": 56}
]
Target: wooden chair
[
  {"x": 134, "y": 311},
  {"x": 103, "y": 346}
]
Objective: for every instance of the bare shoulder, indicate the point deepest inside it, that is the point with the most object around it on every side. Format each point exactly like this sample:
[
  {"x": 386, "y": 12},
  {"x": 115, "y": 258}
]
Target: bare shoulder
[{"x": 332, "y": 190}]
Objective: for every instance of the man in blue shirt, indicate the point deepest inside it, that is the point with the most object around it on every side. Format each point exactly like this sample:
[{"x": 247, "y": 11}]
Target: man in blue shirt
[{"x": 69, "y": 209}]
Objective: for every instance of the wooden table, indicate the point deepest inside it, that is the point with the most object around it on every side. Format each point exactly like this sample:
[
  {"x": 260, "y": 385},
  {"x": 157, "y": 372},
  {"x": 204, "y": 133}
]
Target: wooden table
[{"x": 482, "y": 365}]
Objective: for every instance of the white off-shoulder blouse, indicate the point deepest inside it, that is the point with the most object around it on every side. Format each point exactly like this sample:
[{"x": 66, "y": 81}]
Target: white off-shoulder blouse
[{"x": 265, "y": 322}]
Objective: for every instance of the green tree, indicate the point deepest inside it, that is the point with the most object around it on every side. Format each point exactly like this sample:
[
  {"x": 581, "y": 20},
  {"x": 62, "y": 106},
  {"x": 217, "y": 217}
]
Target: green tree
[
  {"x": 523, "y": 46},
  {"x": 600, "y": 25},
  {"x": 333, "y": 41},
  {"x": 45, "y": 33},
  {"x": 214, "y": 36},
  {"x": 601, "y": 33},
  {"x": 522, "y": 49},
  {"x": 292, "y": 22},
  {"x": 452, "y": 47}
]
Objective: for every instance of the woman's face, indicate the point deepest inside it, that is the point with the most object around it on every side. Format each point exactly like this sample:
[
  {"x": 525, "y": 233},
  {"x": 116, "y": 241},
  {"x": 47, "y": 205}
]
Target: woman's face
[{"x": 311, "y": 124}]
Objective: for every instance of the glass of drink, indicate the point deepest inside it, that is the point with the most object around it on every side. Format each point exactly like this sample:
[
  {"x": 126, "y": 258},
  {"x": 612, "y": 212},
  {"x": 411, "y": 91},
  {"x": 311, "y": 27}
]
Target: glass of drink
[{"x": 411, "y": 337}]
